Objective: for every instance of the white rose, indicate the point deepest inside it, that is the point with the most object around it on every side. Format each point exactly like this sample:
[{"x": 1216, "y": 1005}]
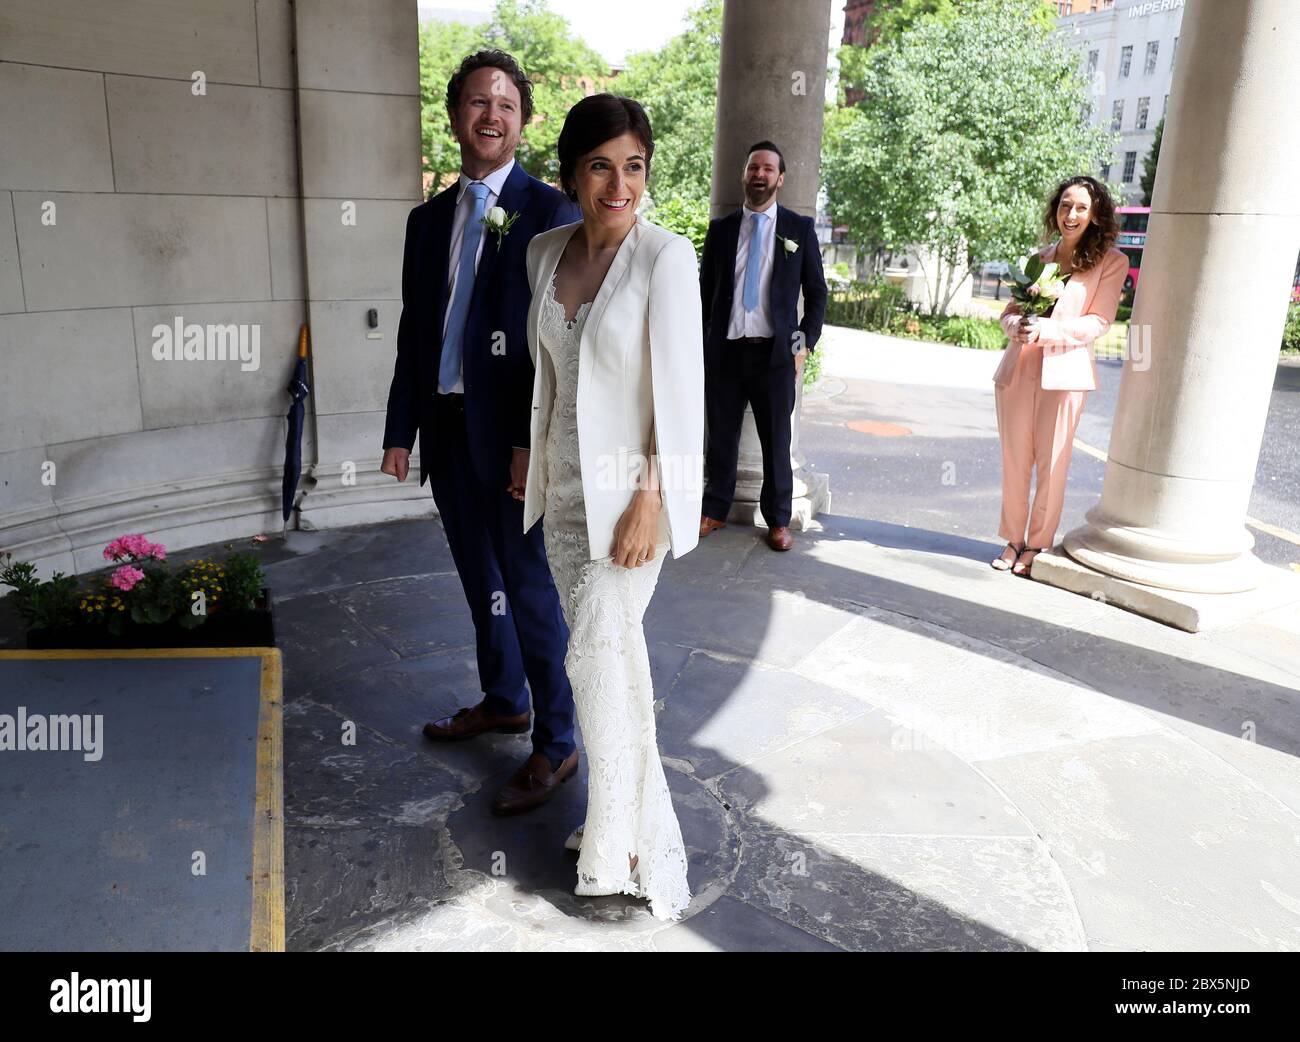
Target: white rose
[
  {"x": 790, "y": 245},
  {"x": 496, "y": 217}
]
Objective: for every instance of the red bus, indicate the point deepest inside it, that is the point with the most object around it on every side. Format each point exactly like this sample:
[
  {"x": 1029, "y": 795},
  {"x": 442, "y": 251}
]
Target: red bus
[{"x": 1132, "y": 239}]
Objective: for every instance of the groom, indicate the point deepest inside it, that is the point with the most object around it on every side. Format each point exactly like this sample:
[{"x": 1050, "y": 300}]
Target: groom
[
  {"x": 464, "y": 380},
  {"x": 755, "y": 263}
]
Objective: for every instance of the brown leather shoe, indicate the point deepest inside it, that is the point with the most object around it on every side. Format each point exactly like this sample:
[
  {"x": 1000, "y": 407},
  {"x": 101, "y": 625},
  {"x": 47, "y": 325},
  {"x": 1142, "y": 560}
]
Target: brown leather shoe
[
  {"x": 780, "y": 538},
  {"x": 708, "y": 524},
  {"x": 473, "y": 721},
  {"x": 533, "y": 784}
]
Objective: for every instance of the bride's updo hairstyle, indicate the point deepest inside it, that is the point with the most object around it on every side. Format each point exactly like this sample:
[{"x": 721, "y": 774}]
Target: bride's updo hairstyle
[{"x": 595, "y": 120}]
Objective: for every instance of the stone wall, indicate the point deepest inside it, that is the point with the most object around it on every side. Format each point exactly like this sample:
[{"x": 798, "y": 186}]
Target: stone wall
[{"x": 221, "y": 163}]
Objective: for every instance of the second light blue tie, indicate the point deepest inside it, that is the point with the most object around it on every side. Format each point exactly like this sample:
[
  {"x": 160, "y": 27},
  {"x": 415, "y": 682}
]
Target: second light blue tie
[
  {"x": 754, "y": 262},
  {"x": 449, "y": 367}
]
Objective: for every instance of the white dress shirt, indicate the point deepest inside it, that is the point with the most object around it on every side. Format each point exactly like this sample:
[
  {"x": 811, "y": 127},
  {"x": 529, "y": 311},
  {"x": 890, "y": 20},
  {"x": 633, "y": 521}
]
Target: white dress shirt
[
  {"x": 464, "y": 206},
  {"x": 759, "y": 321}
]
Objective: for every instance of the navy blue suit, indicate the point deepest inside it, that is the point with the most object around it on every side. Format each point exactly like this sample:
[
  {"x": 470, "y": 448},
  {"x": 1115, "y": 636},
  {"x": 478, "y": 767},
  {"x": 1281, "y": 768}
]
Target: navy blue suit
[
  {"x": 761, "y": 374},
  {"x": 466, "y": 443}
]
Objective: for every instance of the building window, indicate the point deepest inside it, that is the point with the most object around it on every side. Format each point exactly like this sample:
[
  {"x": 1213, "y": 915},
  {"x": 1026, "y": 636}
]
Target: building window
[
  {"x": 1125, "y": 59},
  {"x": 1062, "y": 8},
  {"x": 1165, "y": 111},
  {"x": 1117, "y": 114},
  {"x": 1105, "y": 172},
  {"x": 1130, "y": 164},
  {"x": 1153, "y": 51},
  {"x": 1143, "y": 105},
  {"x": 1092, "y": 61},
  {"x": 1173, "y": 52}
]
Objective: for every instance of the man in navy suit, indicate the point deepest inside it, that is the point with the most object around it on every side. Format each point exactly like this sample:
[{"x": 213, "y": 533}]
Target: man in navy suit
[
  {"x": 464, "y": 381},
  {"x": 754, "y": 265}
]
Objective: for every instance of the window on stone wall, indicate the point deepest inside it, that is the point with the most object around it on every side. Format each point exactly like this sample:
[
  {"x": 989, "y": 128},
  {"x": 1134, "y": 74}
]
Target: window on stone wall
[
  {"x": 1143, "y": 105},
  {"x": 1117, "y": 114},
  {"x": 1173, "y": 52},
  {"x": 1125, "y": 59},
  {"x": 1092, "y": 61},
  {"x": 1130, "y": 164},
  {"x": 1165, "y": 110},
  {"x": 1105, "y": 171},
  {"x": 1153, "y": 52}
]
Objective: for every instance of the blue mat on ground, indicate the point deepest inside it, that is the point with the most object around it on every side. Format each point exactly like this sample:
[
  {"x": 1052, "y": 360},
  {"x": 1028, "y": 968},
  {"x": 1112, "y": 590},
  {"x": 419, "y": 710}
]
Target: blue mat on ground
[{"x": 100, "y": 854}]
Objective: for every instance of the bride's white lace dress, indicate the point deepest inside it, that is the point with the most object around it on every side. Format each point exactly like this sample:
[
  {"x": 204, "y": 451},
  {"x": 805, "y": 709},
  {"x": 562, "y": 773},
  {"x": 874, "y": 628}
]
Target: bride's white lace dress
[{"x": 630, "y": 817}]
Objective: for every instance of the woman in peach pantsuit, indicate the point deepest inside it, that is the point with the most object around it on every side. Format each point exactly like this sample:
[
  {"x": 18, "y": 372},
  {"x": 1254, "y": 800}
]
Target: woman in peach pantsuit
[{"x": 1048, "y": 369}]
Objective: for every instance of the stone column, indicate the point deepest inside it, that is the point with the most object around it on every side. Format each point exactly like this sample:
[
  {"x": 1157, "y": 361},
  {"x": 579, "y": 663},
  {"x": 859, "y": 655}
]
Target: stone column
[
  {"x": 1221, "y": 248},
  {"x": 772, "y": 84}
]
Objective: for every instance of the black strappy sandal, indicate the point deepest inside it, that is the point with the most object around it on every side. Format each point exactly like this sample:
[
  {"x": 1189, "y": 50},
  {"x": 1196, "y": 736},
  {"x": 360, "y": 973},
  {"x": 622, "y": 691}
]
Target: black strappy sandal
[{"x": 1001, "y": 564}]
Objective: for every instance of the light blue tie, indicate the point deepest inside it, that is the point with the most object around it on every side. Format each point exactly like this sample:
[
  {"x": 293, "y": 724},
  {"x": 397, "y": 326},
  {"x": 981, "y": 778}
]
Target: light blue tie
[
  {"x": 754, "y": 262},
  {"x": 449, "y": 368}
]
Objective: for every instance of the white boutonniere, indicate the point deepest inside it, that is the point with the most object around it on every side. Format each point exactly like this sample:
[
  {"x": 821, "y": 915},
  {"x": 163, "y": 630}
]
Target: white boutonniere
[
  {"x": 498, "y": 223},
  {"x": 790, "y": 246}
]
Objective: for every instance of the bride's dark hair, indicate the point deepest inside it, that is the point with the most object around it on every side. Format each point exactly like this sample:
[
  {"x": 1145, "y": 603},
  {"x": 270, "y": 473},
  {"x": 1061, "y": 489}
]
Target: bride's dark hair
[
  {"x": 1102, "y": 230},
  {"x": 595, "y": 120}
]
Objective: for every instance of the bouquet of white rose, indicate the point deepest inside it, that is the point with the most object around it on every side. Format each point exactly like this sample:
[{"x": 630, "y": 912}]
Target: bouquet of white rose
[{"x": 1035, "y": 286}]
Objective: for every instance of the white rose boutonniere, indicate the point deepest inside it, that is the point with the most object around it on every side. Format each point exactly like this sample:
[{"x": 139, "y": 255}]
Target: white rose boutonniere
[
  {"x": 790, "y": 246},
  {"x": 498, "y": 223}
]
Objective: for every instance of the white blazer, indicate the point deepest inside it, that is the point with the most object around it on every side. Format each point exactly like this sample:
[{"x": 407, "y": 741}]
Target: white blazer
[{"x": 640, "y": 366}]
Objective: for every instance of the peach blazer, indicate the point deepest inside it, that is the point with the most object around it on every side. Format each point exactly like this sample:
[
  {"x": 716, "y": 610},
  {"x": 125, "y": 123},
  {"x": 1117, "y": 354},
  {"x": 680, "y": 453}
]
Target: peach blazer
[{"x": 1082, "y": 314}]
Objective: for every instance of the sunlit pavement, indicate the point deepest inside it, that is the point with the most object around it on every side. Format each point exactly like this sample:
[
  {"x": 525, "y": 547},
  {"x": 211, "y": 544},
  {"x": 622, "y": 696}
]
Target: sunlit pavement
[{"x": 874, "y": 741}]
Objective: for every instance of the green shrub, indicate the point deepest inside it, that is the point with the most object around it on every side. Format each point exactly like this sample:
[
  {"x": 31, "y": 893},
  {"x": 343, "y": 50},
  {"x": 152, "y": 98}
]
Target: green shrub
[
  {"x": 874, "y": 305},
  {"x": 985, "y": 334},
  {"x": 1291, "y": 331},
  {"x": 1124, "y": 313}
]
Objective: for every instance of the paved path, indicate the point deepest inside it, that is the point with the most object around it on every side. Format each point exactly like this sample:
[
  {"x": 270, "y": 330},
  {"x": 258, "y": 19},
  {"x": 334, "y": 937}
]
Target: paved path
[{"x": 873, "y": 741}]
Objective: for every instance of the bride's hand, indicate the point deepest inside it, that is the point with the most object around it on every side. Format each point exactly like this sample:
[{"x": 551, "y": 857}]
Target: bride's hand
[{"x": 634, "y": 535}]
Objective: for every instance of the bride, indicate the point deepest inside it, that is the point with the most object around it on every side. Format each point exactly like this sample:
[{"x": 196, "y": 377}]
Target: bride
[{"x": 616, "y": 467}]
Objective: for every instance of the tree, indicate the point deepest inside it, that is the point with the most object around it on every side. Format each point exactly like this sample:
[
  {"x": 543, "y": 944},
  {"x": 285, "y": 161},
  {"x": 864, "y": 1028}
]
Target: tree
[
  {"x": 556, "y": 61},
  {"x": 1149, "y": 164},
  {"x": 893, "y": 19},
  {"x": 678, "y": 85},
  {"x": 965, "y": 124}
]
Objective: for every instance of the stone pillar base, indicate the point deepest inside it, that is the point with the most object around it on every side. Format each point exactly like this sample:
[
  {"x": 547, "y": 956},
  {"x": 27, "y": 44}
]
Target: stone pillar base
[
  {"x": 1193, "y": 612},
  {"x": 812, "y": 496},
  {"x": 1219, "y": 563}
]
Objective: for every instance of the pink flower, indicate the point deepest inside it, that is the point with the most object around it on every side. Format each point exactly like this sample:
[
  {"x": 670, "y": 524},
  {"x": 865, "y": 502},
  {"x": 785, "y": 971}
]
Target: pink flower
[
  {"x": 134, "y": 546},
  {"x": 1033, "y": 290},
  {"x": 126, "y": 577}
]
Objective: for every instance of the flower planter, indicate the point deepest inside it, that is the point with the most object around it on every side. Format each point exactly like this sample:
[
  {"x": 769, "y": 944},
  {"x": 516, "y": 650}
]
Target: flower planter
[{"x": 254, "y": 628}]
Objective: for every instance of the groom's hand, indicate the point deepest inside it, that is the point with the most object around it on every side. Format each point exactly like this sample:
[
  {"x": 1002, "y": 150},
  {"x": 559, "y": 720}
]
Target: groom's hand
[
  {"x": 518, "y": 473},
  {"x": 397, "y": 462}
]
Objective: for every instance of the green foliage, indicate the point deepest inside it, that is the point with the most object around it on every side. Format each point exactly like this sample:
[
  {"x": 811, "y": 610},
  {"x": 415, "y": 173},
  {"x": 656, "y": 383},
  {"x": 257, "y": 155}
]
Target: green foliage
[
  {"x": 1291, "y": 331},
  {"x": 159, "y": 597},
  {"x": 243, "y": 581},
  {"x": 689, "y": 217},
  {"x": 892, "y": 19},
  {"x": 555, "y": 60},
  {"x": 984, "y": 334},
  {"x": 866, "y": 305},
  {"x": 1123, "y": 313},
  {"x": 882, "y": 307},
  {"x": 812, "y": 369},
  {"x": 41, "y": 605},
  {"x": 678, "y": 86},
  {"x": 965, "y": 126},
  {"x": 1150, "y": 163}
]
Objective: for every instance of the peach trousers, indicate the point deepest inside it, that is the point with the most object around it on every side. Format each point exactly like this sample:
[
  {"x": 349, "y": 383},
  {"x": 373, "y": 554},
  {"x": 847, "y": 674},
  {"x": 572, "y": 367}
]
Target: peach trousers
[{"x": 1036, "y": 428}]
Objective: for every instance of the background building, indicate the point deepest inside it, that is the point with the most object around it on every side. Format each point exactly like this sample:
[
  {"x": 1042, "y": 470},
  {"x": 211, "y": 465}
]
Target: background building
[{"x": 1127, "y": 49}]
